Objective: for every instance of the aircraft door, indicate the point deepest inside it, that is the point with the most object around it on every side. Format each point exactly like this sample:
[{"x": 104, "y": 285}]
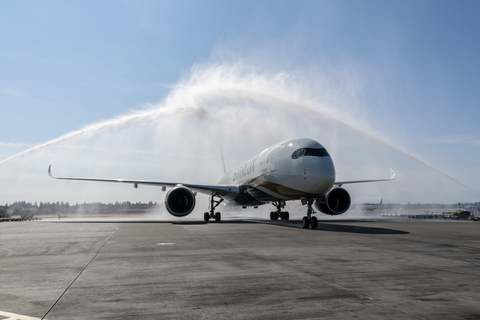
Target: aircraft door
[{"x": 272, "y": 160}]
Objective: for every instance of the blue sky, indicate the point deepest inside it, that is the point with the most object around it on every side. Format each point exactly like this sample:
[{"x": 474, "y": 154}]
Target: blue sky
[{"x": 406, "y": 70}]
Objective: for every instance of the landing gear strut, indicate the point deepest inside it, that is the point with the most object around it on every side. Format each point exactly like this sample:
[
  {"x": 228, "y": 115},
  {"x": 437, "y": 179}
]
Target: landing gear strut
[
  {"x": 284, "y": 215},
  {"x": 212, "y": 214},
  {"x": 309, "y": 220}
]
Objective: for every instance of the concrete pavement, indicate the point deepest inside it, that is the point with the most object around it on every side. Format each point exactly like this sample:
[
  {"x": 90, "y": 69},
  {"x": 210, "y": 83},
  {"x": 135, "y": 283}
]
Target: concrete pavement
[{"x": 240, "y": 270}]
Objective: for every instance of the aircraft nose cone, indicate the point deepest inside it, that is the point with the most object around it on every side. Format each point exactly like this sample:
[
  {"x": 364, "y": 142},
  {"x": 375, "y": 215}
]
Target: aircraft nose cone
[{"x": 322, "y": 175}]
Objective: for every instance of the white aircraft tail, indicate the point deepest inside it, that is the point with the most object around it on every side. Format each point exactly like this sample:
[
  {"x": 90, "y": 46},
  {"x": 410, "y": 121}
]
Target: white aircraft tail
[{"x": 223, "y": 160}]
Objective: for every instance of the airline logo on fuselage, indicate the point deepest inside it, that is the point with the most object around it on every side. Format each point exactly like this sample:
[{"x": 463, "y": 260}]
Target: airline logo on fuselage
[{"x": 245, "y": 169}]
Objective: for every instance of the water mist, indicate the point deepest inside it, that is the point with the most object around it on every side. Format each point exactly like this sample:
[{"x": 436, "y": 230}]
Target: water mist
[{"x": 178, "y": 140}]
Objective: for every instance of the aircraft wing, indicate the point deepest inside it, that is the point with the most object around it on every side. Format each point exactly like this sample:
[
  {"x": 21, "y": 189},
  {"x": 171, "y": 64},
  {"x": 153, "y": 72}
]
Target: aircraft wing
[
  {"x": 340, "y": 183},
  {"x": 218, "y": 190}
]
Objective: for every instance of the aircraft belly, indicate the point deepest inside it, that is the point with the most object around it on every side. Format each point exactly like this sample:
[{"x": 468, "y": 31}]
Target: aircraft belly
[{"x": 266, "y": 188}]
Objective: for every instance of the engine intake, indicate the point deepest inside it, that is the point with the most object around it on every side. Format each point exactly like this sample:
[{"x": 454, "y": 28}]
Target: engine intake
[
  {"x": 337, "y": 201},
  {"x": 180, "y": 201}
]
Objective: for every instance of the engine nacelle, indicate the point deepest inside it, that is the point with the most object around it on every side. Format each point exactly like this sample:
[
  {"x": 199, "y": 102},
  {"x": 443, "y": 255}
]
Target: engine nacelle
[
  {"x": 337, "y": 201},
  {"x": 180, "y": 201}
]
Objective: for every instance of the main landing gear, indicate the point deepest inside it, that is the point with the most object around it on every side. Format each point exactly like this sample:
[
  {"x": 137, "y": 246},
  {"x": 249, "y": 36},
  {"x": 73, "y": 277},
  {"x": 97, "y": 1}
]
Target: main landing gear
[
  {"x": 310, "y": 220},
  {"x": 212, "y": 214},
  {"x": 284, "y": 215}
]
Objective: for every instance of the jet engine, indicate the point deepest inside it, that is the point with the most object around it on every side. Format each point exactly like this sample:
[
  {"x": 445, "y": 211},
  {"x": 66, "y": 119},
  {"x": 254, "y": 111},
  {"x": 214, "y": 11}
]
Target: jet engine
[
  {"x": 180, "y": 201},
  {"x": 336, "y": 201}
]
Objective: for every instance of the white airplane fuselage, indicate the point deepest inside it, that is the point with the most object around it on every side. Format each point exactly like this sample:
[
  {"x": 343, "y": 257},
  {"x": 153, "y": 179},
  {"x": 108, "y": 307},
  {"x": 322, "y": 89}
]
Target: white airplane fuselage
[{"x": 277, "y": 174}]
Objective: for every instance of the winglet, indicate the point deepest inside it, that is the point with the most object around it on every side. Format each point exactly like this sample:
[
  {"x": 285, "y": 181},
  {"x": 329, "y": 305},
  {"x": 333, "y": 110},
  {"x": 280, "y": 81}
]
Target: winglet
[
  {"x": 392, "y": 177},
  {"x": 392, "y": 174},
  {"x": 50, "y": 171}
]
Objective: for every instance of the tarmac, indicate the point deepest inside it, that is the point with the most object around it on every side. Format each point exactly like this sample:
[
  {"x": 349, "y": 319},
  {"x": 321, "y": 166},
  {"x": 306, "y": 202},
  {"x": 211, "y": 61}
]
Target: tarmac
[{"x": 240, "y": 269}]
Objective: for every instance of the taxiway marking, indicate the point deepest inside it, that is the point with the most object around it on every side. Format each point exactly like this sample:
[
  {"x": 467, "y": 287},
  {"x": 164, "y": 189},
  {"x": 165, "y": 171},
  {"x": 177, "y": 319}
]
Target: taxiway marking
[{"x": 13, "y": 316}]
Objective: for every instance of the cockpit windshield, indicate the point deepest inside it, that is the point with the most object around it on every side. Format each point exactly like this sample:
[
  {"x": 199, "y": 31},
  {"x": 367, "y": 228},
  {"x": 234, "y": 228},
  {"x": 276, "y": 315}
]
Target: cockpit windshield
[{"x": 314, "y": 152}]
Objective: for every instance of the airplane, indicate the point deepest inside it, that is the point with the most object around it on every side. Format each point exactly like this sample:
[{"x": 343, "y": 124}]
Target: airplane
[
  {"x": 295, "y": 169},
  {"x": 370, "y": 206}
]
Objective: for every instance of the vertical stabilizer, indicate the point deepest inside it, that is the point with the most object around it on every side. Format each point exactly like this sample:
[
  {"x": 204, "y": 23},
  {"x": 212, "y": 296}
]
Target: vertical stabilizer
[{"x": 223, "y": 160}]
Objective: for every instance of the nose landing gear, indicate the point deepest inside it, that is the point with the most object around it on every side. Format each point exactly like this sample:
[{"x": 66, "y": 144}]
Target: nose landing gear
[
  {"x": 284, "y": 215},
  {"x": 310, "y": 220}
]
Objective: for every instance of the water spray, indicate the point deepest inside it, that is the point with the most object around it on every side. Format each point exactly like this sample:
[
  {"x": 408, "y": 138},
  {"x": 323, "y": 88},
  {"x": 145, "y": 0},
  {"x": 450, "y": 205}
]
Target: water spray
[{"x": 224, "y": 96}]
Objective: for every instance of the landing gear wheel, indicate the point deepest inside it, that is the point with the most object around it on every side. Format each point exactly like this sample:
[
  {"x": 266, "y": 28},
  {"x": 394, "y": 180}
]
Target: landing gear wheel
[
  {"x": 305, "y": 222},
  {"x": 285, "y": 215},
  {"x": 212, "y": 214},
  {"x": 280, "y": 204},
  {"x": 309, "y": 219},
  {"x": 314, "y": 223}
]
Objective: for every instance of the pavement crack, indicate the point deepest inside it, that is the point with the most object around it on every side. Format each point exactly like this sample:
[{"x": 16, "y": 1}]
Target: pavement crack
[{"x": 80, "y": 273}]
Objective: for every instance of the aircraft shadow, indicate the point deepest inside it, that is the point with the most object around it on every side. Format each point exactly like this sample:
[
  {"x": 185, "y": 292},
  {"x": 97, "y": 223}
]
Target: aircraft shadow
[
  {"x": 332, "y": 227},
  {"x": 322, "y": 226}
]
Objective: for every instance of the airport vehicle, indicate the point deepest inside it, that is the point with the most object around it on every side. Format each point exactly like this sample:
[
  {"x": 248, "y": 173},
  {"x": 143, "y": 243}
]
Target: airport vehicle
[
  {"x": 474, "y": 212},
  {"x": 296, "y": 169},
  {"x": 458, "y": 214},
  {"x": 475, "y": 216},
  {"x": 464, "y": 213}
]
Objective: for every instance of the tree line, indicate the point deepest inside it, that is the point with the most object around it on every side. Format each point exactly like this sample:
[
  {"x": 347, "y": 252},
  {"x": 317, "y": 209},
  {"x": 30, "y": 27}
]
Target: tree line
[{"x": 23, "y": 207}]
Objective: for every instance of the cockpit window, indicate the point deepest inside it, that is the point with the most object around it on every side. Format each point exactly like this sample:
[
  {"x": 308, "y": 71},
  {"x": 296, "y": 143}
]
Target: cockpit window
[
  {"x": 320, "y": 152},
  {"x": 298, "y": 153}
]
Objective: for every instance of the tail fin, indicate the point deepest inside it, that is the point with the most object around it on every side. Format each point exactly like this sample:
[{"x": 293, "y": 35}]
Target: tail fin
[{"x": 223, "y": 160}]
